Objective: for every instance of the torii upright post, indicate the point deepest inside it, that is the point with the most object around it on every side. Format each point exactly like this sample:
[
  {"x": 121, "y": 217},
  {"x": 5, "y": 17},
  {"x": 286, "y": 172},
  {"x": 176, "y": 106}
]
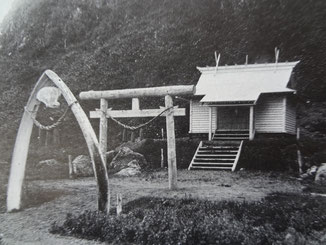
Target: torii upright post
[
  {"x": 103, "y": 139},
  {"x": 170, "y": 138}
]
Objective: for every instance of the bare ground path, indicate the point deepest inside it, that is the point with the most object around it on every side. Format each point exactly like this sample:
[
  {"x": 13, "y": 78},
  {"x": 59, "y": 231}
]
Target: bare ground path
[{"x": 50, "y": 201}]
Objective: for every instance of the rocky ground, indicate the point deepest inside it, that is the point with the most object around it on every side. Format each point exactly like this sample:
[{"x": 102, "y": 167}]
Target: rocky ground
[{"x": 48, "y": 201}]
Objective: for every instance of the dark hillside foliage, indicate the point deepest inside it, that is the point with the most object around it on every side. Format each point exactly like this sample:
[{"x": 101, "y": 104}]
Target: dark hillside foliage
[
  {"x": 274, "y": 154},
  {"x": 110, "y": 44}
]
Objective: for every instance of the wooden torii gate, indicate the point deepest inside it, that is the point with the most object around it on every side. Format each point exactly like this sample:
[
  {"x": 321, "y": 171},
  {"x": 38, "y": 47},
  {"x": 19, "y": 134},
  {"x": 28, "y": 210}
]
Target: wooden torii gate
[{"x": 169, "y": 111}]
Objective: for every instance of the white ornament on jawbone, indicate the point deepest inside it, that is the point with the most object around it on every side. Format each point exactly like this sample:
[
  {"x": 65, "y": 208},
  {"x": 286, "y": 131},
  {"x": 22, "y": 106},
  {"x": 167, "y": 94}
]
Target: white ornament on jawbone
[{"x": 49, "y": 96}]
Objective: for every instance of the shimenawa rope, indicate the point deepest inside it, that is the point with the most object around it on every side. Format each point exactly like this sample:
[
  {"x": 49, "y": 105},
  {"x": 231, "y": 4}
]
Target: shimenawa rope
[
  {"x": 48, "y": 127},
  {"x": 132, "y": 128}
]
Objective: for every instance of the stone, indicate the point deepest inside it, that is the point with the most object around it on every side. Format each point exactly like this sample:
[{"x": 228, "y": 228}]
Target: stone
[
  {"x": 323, "y": 239},
  {"x": 124, "y": 157},
  {"x": 48, "y": 162},
  {"x": 138, "y": 146},
  {"x": 304, "y": 176},
  {"x": 109, "y": 157},
  {"x": 3, "y": 163},
  {"x": 320, "y": 177},
  {"x": 82, "y": 166},
  {"x": 310, "y": 173},
  {"x": 312, "y": 170},
  {"x": 293, "y": 237},
  {"x": 132, "y": 169}
]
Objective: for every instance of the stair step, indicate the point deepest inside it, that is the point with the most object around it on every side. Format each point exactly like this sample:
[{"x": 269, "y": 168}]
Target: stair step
[
  {"x": 212, "y": 168},
  {"x": 230, "y": 138},
  {"x": 213, "y": 159},
  {"x": 217, "y": 152},
  {"x": 219, "y": 147},
  {"x": 232, "y": 131},
  {"x": 217, "y": 155},
  {"x": 213, "y": 163},
  {"x": 230, "y": 134}
]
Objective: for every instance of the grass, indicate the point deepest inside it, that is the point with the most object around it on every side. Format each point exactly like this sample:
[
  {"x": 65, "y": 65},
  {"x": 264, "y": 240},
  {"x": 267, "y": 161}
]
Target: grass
[{"x": 189, "y": 221}]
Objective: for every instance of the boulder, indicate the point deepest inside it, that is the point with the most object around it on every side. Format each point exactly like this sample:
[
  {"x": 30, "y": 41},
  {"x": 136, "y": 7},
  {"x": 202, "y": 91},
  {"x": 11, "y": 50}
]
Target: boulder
[
  {"x": 82, "y": 166},
  {"x": 132, "y": 169},
  {"x": 312, "y": 170},
  {"x": 138, "y": 146},
  {"x": 124, "y": 157},
  {"x": 320, "y": 177},
  {"x": 49, "y": 169},
  {"x": 310, "y": 173}
]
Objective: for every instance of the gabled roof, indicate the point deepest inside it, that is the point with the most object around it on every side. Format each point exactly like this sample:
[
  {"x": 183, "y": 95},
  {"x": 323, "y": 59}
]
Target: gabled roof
[{"x": 243, "y": 83}]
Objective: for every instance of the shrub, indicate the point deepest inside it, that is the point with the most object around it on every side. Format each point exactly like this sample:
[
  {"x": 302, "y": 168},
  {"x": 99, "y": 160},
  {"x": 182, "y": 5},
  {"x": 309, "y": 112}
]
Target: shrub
[{"x": 188, "y": 221}]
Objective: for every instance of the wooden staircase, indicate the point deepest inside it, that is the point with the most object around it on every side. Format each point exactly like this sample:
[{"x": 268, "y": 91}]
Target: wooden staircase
[{"x": 221, "y": 153}]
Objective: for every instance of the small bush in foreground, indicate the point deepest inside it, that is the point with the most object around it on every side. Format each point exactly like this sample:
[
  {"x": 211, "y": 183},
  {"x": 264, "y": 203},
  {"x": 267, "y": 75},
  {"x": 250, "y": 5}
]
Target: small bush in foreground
[{"x": 188, "y": 221}]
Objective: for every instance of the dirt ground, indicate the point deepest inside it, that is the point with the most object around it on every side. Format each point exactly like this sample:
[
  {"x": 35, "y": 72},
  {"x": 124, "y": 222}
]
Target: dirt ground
[{"x": 49, "y": 201}]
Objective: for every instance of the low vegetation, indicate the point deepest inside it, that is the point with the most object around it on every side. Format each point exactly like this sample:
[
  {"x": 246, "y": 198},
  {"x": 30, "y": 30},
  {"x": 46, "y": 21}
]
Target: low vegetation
[{"x": 189, "y": 221}]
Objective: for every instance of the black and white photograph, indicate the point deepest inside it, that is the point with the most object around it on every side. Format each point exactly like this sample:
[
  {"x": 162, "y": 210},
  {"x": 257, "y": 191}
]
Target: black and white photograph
[{"x": 163, "y": 122}]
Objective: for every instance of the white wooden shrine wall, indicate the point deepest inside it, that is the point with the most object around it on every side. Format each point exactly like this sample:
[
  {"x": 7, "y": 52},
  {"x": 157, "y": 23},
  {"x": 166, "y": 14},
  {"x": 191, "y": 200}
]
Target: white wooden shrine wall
[{"x": 199, "y": 118}]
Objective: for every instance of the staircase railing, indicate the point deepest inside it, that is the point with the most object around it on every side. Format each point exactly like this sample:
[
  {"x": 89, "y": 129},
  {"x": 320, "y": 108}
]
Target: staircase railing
[
  {"x": 193, "y": 158},
  {"x": 237, "y": 157}
]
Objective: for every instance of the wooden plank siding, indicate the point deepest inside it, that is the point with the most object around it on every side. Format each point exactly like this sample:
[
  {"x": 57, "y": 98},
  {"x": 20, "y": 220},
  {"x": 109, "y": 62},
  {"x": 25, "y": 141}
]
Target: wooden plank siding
[
  {"x": 199, "y": 118},
  {"x": 270, "y": 114},
  {"x": 290, "y": 116}
]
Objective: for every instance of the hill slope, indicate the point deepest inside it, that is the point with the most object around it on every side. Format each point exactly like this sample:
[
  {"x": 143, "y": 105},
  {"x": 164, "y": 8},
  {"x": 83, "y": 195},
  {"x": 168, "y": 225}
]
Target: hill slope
[{"x": 106, "y": 44}]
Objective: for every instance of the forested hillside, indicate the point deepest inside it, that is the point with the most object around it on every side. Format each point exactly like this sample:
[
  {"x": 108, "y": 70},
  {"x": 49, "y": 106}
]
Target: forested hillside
[{"x": 106, "y": 44}]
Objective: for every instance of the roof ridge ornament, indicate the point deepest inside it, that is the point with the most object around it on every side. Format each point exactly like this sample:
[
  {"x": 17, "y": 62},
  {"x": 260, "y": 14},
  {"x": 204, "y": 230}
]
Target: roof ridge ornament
[
  {"x": 277, "y": 53},
  {"x": 217, "y": 60}
]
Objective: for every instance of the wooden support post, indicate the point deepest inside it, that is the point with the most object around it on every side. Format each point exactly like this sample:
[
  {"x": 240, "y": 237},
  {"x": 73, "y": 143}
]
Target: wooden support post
[
  {"x": 47, "y": 137},
  {"x": 103, "y": 135},
  {"x": 119, "y": 204},
  {"x": 298, "y": 133},
  {"x": 132, "y": 137},
  {"x": 124, "y": 135},
  {"x": 162, "y": 158},
  {"x": 141, "y": 134},
  {"x": 39, "y": 137},
  {"x": 56, "y": 136},
  {"x": 251, "y": 123},
  {"x": 171, "y": 147},
  {"x": 71, "y": 170},
  {"x": 210, "y": 123},
  {"x": 108, "y": 204},
  {"x": 299, "y": 160},
  {"x": 162, "y": 150},
  {"x": 135, "y": 104}
]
